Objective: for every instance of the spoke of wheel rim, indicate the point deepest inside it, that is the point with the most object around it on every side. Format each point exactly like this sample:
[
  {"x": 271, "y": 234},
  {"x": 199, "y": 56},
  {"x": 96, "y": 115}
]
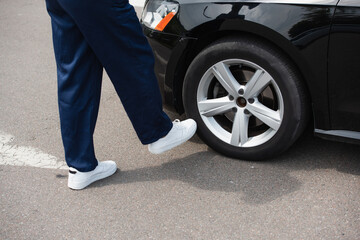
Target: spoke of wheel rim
[
  {"x": 226, "y": 78},
  {"x": 258, "y": 82},
  {"x": 266, "y": 115},
  {"x": 212, "y": 107},
  {"x": 239, "y": 133}
]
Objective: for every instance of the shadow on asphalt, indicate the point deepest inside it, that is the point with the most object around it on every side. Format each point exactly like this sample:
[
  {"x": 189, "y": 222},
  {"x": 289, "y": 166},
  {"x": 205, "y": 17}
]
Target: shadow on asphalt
[{"x": 258, "y": 182}]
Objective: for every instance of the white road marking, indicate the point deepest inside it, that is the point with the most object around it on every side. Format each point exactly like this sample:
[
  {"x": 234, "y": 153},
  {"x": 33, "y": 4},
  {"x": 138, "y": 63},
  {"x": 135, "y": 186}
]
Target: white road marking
[
  {"x": 137, "y": 3},
  {"x": 25, "y": 156}
]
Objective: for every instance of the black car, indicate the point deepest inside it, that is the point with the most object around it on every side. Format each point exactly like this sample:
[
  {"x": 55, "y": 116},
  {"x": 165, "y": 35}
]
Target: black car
[{"x": 253, "y": 73}]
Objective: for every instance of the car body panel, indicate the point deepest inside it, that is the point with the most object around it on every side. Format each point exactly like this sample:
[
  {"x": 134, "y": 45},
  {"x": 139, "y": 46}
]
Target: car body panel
[
  {"x": 344, "y": 67},
  {"x": 302, "y": 2},
  {"x": 169, "y": 51},
  {"x": 349, "y": 3},
  {"x": 300, "y": 32}
]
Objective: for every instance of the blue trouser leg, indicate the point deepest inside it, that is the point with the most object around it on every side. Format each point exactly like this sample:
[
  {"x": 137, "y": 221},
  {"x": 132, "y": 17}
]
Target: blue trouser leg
[{"x": 89, "y": 35}]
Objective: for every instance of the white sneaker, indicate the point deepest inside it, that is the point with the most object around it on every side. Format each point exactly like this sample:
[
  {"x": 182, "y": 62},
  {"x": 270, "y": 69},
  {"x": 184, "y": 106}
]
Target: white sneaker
[
  {"x": 179, "y": 133},
  {"x": 79, "y": 180}
]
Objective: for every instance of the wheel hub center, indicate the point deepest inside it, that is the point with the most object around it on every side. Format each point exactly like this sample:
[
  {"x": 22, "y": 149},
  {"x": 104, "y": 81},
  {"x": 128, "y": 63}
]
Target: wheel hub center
[{"x": 241, "y": 102}]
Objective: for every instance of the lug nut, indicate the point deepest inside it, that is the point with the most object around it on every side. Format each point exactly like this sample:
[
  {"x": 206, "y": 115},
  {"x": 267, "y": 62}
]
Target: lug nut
[
  {"x": 246, "y": 111},
  {"x": 251, "y": 100},
  {"x": 241, "y": 91},
  {"x": 234, "y": 109},
  {"x": 231, "y": 98}
]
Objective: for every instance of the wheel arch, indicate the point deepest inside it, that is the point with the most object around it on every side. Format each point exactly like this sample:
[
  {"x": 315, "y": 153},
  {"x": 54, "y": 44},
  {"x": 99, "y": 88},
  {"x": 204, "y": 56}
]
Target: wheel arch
[{"x": 249, "y": 30}]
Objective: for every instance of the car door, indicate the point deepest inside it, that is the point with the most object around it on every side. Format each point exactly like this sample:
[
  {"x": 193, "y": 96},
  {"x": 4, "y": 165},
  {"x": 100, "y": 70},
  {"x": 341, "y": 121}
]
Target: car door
[{"x": 344, "y": 67}]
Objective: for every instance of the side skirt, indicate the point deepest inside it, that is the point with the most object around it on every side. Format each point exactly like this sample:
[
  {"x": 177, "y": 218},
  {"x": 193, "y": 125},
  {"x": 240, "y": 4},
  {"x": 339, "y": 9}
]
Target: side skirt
[{"x": 339, "y": 135}]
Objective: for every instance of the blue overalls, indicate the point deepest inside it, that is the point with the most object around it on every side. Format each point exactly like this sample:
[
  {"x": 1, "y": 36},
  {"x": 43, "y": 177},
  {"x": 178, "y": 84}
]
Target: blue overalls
[{"x": 90, "y": 35}]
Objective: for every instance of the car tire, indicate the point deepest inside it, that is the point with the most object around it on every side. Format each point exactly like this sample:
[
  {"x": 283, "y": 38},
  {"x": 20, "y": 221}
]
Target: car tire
[{"x": 251, "y": 83}]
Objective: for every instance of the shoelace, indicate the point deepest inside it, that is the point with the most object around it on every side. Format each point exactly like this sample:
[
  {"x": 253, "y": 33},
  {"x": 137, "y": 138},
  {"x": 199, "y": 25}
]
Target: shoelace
[{"x": 177, "y": 126}]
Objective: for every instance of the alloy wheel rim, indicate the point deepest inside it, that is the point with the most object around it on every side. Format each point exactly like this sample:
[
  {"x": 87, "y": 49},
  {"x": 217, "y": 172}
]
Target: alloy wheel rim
[{"x": 240, "y": 103}]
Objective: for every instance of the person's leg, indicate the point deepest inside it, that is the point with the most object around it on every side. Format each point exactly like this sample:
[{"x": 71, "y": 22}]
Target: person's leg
[
  {"x": 79, "y": 85},
  {"x": 113, "y": 32}
]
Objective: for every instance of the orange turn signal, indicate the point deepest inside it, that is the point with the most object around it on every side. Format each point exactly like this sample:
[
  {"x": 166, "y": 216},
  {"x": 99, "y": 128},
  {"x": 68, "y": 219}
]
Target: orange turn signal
[{"x": 162, "y": 24}]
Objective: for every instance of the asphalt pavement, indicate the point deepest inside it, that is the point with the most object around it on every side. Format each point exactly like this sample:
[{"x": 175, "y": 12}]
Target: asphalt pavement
[{"x": 310, "y": 192}]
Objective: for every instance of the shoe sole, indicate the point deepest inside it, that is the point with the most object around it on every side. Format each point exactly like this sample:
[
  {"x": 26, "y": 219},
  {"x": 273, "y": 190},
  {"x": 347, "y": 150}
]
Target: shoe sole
[
  {"x": 171, "y": 146},
  {"x": 84, "y": 184}
]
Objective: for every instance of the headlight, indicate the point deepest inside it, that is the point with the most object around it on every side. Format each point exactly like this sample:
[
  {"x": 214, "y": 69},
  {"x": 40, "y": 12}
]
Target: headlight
[{"x": 158, "y": 13}]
